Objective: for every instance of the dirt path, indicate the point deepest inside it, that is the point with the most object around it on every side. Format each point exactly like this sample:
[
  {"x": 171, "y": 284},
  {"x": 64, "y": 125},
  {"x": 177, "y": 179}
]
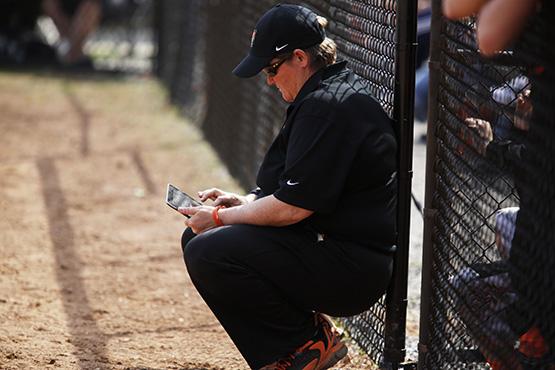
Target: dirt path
[{"x": 91, "y": 274}]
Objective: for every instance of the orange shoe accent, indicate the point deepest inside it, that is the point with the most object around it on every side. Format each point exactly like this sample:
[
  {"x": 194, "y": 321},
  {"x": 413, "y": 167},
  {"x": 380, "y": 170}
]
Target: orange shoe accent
[
  {"x": 532, "y": 344},
  {"x": 323, "y": 351},
  {"x": 494, "y": 364},
  {"x": 336, "y": 349}
]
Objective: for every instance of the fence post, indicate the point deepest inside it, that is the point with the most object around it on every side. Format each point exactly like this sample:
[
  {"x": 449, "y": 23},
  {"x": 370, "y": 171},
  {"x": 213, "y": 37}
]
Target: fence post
[
  {"x": 429, "y": 211},
  {"x": 396, "y": 300}
]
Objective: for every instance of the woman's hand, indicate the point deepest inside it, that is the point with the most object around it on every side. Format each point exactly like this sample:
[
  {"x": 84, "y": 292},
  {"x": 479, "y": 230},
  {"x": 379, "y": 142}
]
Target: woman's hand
[
  {"x": 223, "y": 198},
  {"x": 201, "y": 218}
]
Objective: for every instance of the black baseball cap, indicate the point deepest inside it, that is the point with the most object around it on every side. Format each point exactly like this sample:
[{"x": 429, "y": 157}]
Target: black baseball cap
[{"x": 281, "y": 29}]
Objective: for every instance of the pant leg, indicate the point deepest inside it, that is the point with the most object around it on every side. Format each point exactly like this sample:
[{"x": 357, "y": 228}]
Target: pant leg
[
  {"x": 264, "y": 283},
  {"x": 422, "y": 81}
]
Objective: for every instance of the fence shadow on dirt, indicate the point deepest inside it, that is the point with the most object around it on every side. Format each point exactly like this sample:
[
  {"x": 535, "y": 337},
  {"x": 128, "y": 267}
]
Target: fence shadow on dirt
[{"x": 86, "y": 335}]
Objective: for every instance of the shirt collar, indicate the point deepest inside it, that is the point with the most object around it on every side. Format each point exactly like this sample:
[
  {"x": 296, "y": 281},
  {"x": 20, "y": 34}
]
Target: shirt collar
[{"x": 314, "y": 81}]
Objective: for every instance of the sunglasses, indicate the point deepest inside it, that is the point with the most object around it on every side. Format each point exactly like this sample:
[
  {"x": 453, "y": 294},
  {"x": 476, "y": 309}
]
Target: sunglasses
[{"x": 272, "y": 69}]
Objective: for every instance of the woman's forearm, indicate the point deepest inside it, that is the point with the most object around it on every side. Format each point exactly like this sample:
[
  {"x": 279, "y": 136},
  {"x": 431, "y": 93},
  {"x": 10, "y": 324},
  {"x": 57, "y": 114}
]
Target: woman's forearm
[{"x": 268, "y": 211}]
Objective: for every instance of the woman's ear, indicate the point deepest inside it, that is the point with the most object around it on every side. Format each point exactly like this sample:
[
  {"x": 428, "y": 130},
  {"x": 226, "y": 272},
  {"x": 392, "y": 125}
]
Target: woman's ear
[{"x": 301, "y": 57}]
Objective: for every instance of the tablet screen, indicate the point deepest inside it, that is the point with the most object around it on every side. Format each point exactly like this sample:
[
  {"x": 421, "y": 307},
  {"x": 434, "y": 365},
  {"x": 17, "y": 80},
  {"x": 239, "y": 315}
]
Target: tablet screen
[{"x": 176, "y": 198}]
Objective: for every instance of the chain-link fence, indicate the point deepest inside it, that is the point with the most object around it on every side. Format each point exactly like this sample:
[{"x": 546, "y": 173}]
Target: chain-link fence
[
  {"x": 200, "y": 42},
  {"x": 488, "y": 295}
]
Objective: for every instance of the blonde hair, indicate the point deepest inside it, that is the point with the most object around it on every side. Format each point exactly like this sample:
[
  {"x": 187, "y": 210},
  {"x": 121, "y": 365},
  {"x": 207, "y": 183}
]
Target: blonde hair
[{"x": 324, "y": 53}]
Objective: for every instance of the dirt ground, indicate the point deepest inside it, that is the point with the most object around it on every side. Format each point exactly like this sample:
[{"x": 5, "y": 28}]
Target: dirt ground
[{"x": 91, "y": 273}]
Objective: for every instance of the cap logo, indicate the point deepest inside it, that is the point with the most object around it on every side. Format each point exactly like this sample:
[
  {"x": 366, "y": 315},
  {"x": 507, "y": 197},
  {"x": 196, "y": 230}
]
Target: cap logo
[
  {"x": 278, "y": 48},
  {"x": 253, "y": 36}
]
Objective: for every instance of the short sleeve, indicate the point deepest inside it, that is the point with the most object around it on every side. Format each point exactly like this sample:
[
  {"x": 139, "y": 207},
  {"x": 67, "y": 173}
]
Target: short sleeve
[{"x": 320, "y": 152}]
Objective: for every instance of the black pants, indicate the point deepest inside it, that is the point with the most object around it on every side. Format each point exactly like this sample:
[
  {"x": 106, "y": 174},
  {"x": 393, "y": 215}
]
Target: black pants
[{"x": 265, "y": 283}]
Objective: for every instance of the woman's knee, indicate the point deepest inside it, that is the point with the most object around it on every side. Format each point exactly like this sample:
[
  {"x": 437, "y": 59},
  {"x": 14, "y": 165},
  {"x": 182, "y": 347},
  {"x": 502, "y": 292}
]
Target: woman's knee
[
  {"x": 190, "y": 247},
  {"x": 186, "y": 238},
  {"x": 199, "y": 252},
  {"x": 215, "y": 251}
]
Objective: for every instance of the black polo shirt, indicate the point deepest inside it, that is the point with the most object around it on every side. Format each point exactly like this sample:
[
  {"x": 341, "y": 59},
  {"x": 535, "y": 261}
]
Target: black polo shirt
[{"x": 336, "y": 155}]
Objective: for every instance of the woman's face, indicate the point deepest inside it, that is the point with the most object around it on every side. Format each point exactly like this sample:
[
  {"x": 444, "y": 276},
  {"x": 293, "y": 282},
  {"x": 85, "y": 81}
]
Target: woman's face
[
  {"x": 284, "y": 81},
  {"x": 290, "y": 76}
]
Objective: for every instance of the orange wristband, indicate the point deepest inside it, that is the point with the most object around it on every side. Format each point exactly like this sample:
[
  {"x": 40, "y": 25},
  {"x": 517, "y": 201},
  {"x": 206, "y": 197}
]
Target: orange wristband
[{"x": 216, "y": 217}]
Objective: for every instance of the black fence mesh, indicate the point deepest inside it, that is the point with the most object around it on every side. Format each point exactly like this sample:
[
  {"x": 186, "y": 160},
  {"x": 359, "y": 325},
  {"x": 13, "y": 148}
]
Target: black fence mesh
[
  {"x": 200, "y": 42},
  {"x": 493, "y": 244},
  {"x": 365, "y": 33}
]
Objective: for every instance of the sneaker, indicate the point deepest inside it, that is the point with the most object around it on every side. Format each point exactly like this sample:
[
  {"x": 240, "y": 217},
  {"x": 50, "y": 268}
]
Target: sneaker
[{"x": 321, "y": 352}]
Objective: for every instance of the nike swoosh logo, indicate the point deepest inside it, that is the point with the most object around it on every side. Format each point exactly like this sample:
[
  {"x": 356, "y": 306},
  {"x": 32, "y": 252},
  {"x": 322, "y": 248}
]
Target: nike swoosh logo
[
  {"x": 281, "y": 47},
  {"x": 291, "y": 183}
]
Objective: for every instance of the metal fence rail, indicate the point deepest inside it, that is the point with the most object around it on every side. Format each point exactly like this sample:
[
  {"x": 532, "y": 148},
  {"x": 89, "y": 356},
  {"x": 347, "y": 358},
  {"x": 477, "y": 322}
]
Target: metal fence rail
[
  {"x": 489, "y": 249},
  {"x": 199, "y": 44}
]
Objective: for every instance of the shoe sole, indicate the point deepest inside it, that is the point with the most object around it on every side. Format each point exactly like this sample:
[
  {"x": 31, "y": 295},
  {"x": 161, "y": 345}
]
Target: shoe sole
[{"x": 335, "y": 357}]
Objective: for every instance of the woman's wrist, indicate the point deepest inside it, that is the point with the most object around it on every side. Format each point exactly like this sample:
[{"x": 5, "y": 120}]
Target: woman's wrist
[{"x": 216, "y": 216}]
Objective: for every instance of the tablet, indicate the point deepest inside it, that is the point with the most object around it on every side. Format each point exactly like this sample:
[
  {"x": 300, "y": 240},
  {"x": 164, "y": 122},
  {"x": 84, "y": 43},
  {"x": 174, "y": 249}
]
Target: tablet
[{"x": 176, "y": 199}]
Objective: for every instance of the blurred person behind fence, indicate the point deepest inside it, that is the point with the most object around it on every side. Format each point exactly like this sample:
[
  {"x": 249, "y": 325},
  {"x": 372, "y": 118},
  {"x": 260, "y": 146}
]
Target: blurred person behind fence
[
  {"x": 75, "y": 21},
  {"x": 484, "y": 299},
  {"x": 506, "y": 336},
  {"x": 317, "y": 236}
]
